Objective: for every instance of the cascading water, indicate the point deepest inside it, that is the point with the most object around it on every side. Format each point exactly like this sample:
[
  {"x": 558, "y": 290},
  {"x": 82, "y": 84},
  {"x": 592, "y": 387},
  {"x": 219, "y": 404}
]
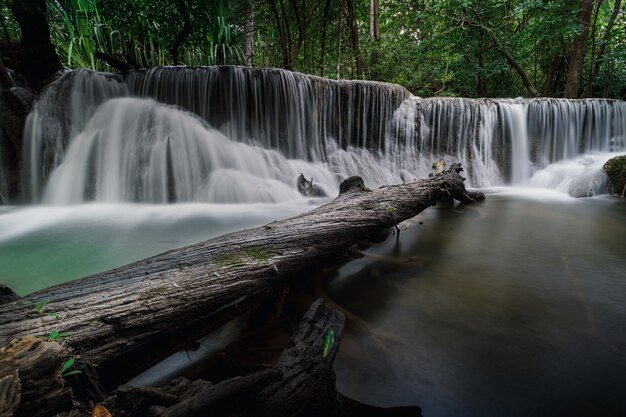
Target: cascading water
[
  {"x": 61, "y": 113},
  {"x": 140, "y": 151},
  {"x": 328, "y": 129}
]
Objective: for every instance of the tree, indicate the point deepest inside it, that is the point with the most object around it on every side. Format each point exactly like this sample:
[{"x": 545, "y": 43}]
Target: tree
[
  {"x": 579, "y": 51},
  {"x": 36, "y": 58}
]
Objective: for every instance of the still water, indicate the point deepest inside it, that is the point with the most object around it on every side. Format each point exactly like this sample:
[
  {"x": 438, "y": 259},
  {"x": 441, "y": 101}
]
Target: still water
[
  {"x": 513, "y": 307},
  {"x": 41, "y": 246}
]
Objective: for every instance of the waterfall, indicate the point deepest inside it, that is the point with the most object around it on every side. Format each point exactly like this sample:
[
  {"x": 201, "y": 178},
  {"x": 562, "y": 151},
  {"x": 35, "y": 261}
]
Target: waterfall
[
  {"x": 60, "y": 114},
  {"x": 237, "y": 134},
  {"x": 278, "y": 109},
  {"x": 142, "y": 151}
]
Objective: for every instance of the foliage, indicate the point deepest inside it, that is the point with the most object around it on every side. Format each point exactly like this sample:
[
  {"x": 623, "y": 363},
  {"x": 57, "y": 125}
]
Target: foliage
[
  {"x": 66, "y": 368},
  {"x": 433, "y": 47}
]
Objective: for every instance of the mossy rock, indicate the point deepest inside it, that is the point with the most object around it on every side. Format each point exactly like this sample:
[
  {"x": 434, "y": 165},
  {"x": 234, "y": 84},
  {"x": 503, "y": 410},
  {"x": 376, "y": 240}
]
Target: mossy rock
[{"x": 615, "y": 168}]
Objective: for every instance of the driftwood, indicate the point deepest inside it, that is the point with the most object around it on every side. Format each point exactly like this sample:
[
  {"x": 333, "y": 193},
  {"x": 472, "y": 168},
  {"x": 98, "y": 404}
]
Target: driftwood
[
  {"x": 158, "y": 304},
  {"x": 30, "y": 378},
  {"x": 225, "y": 398},
  {"x": 302, "y": 383}
]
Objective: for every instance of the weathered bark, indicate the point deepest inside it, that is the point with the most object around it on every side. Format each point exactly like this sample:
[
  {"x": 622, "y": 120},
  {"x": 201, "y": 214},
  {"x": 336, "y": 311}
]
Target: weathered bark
[
  {"x": 249, "y": 31},
  {"x": 375, "y": 19},
  {"x": 10, "y": 394},
  {"x": 221, "y": 399},
  {"x": 579, "y": 50},
  {"x": 36, "y": 364},
  {"x": 36, "y": 57},
  {"x": 152, "y": 303},
  {"x": 308, "y": 384}
]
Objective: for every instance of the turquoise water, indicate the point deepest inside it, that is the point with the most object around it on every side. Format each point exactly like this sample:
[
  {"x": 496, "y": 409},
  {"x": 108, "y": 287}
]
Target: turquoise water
[
  {"x": 43, "y": 246},
  {"x": 513, "y": 307}
]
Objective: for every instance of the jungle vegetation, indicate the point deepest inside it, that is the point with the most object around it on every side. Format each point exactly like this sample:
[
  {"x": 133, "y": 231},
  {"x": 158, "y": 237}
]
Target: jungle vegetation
[{"x": 472, "y": 48}]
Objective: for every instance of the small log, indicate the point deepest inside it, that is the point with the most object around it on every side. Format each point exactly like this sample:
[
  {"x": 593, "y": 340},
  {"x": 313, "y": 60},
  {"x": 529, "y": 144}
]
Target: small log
[
  {"x": 308, "y": 384},
  {"x": 37, "y": 365},
  {"x": 114, "y": 62},
  {"x": 157, "y": 305},
  {"x": 221, "y": 399}
]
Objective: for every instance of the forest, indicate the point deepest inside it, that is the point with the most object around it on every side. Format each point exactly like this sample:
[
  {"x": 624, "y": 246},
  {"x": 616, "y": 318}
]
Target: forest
[{"x": 470, "y": 48}]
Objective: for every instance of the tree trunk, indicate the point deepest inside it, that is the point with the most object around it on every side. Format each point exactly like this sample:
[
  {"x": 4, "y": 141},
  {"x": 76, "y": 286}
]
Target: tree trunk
[
  {"x": 354, "y": 40},
  {"x": 374, "y": 19},
  {"x": 550, "y": 73},
  {"x": 339, "y": 33},
  {"x": 249, "y": 29},
  {"x": 324, "y": 32},
  {"x": 579, "y": 51},
  {"x": 36, "y": 58},
  {"x": 512, "y": 62},
  {"x": 116, "y": 317},
  {"x": 603, "y": 44},
  {"x": 184, "y": 33}
]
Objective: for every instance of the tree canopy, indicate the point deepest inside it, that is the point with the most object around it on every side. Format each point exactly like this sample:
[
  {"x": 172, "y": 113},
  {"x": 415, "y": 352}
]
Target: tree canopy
[{"x": 473, "y": 48}]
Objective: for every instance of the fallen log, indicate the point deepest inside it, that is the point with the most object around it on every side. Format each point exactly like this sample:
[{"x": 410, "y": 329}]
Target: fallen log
[
  {"x": 30, "y": 378},
  {"x": 139, "y": 313}
]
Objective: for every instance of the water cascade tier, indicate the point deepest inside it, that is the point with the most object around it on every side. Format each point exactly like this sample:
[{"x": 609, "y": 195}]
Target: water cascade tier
[{"x": 234, "y": 134}]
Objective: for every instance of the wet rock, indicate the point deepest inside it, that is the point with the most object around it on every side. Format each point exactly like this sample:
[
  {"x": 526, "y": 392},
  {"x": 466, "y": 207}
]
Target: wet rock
[
  {"x": 615, "y": 169},
  {"x": 308, "y": 189},
  {"x": 352, "y": 184},
  {"x": 15, "y": 104}
]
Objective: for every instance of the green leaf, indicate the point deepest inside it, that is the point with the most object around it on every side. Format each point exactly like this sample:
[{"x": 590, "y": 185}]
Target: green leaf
[
  {"x": 54, "y": 335},
  {"x": 72, "y": 373},
  {"x": 329, "y": 341},
  {"x": 67, "y": 365}
]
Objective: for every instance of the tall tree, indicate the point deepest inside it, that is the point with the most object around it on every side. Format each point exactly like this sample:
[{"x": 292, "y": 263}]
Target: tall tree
[
  {"x": 579, "y": 50},
  {"x": 606, "y": 37},
  {"x": 249, "y": 29},
  {"x": 375, "y": 19},
  {"x": 354, "y": 40},
  {"x": 37, "y": 59}
]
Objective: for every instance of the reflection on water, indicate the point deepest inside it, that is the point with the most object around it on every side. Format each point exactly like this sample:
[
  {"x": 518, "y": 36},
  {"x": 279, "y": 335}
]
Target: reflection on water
[{"x": 514, "y": 307}]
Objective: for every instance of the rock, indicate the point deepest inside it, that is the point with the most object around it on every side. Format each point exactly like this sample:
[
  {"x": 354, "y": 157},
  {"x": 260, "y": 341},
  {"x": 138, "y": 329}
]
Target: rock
[
  {"x": 615, "y": 169},
  {"x": 15, "y": 104},
  {"x": 7, "y": 295},
  {"x": 352, "y": 184},
  {"x": 308, "y": 189}
]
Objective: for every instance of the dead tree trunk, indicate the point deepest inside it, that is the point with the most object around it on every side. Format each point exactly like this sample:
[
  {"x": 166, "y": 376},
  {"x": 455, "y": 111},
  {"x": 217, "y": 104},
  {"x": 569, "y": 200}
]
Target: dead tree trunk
[{"x": 159, "y": 304}]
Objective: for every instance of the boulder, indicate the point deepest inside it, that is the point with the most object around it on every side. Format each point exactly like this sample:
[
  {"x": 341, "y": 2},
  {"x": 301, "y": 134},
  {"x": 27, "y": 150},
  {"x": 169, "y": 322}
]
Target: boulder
[{"x": 615, "y": 169}]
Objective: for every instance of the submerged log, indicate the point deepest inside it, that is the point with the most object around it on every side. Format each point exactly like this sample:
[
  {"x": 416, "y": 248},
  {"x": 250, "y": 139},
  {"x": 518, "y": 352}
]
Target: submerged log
[{"x": 118, "y": 317}]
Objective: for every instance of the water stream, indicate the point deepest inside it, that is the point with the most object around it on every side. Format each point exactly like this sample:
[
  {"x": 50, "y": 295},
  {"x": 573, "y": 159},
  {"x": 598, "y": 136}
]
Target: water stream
[
  {"x": 507, "y": 308},
  {"x": 510, "y": 308}
]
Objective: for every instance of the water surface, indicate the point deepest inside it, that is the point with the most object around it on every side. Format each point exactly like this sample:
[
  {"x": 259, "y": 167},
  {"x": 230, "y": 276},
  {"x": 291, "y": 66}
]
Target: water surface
[{"x": 513, "y": 307}]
